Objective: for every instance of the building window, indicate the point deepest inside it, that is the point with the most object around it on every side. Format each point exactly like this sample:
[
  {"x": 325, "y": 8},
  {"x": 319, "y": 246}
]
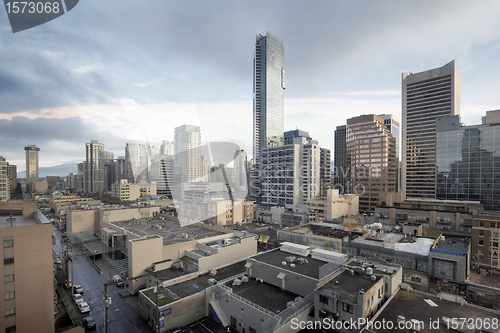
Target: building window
[
  {"x": 10, "y": 312},
  {"x": 10, "y": 329},
  {"x": 8, "y": 261},
  {"x": 323, "y": 299},
  {"x": 481, "y": 233},
  {"x": 9, "y": 295},
  {"x": 8, "y": 243},
  {"x": 8, "y": 278},
  {"x": 481, "y": 224},
  {"x": 481, "y": 242},
  {"x": 346, "y": 307}
]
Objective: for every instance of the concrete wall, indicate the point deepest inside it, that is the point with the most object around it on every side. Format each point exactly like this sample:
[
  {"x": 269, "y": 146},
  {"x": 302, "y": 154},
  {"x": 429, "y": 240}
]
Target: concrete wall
[
  {"x": 246, "y": 316},
  {"x": 229, "y": 254},
  {"x": 175, "y": 251},
  {"x": 29, "y": 207},
  {"x": 33, "y": 284},
  {"x": 184, "y": 311},
  {"x": 80, "y": 220},
  {"x": 142, "y": 253}
]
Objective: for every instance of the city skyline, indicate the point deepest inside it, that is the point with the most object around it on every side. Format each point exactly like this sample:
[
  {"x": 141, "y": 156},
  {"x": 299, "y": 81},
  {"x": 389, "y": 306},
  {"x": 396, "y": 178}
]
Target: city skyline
[{"x": 121, "y": 91}]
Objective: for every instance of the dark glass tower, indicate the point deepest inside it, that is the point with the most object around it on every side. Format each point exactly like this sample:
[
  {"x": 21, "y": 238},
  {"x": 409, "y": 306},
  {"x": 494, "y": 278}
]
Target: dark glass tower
[{"x": 268, "y": 99}]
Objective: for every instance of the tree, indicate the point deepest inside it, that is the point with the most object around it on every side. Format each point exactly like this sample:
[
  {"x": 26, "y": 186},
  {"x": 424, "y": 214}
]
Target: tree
[{"x": 18, "y": 192}]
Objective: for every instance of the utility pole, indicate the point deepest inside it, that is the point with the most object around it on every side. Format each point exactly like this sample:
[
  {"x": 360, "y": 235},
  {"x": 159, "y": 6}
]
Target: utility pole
[
  {"x": 107, "y": 300},
  {"x": 157, "y": 307}
]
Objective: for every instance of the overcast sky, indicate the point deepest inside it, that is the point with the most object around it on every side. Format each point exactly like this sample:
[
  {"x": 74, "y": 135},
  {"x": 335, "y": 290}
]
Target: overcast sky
[{"x": 117, "y": 70}]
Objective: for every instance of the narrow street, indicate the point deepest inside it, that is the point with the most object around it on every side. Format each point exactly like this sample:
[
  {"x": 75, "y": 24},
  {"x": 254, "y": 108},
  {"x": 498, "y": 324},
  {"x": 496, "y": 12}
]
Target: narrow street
[{"x": 122, "y": 317}]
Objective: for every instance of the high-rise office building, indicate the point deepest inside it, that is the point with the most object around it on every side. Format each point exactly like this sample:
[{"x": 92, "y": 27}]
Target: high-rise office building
[
  {"x": 371, "y": 159},
  {"x": 94, "y": 167},
  {"x": 268, "y": 99},
  {"x": 187, "y": 154},
  {"x": 340, "y": 170},
  {"x": 167, "y": 148},
  {"x": 137, "y": 161},
  {"x": 291, "y": 174},
  {"x": 426, "y": 96},
  {"x": 290, "y": 135},
  {"x": 468, "y": 162},
  {"x": 31, "y": 163},
  {"x": 121, "y": 168},
  {"x": 4, "y": 180},
  {"x": 325, "y": 167},
  {"x": 392, "y": 124},
  {"x": 12, "y": 172},
  {"x": 240, "y": 165}
]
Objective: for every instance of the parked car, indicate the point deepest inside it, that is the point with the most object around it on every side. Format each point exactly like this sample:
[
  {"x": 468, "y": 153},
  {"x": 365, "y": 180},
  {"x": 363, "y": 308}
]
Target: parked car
[
  {"x": 119, "y": 280},
  {"x": 89, "y": 323},
  {"x": 77, "y": 289},
  {"x": 58, "y": 261},
  {"x": 84, "y": 307},
  {"x": 78, "y": 298}
]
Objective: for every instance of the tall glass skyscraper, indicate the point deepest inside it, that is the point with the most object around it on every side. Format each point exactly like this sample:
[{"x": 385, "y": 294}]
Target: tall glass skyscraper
[
  {"x": 426, "y": 96},
  {"x": 94, "y": 167},
  {"x": 268, "y": 95},
  {"x": 31, "y": 163},
  {"x": 268, "y": 100},
  {"x": 468, "y": 162}
]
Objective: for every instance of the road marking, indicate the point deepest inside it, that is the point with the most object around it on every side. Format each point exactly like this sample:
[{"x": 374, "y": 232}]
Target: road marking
[
  {"x": 205, "y": 327},
  {"x": 430, "y": 302}
]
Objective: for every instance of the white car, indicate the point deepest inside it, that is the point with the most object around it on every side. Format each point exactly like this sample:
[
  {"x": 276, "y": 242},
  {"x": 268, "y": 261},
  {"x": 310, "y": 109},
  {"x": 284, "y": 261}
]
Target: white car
[
  {"x": 84, "y": 307},
  {"x": 78, "y": 298}
]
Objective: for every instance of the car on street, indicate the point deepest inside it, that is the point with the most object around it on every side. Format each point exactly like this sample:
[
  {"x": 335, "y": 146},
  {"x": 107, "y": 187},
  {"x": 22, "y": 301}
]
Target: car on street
[
  {"x": 119, "y": 280},
  {"x": 89, "y": 323},
  {"x": 84, "y": 307},
  {"x": 78, "y": 298},
  {"x": 78, "y": 289}
]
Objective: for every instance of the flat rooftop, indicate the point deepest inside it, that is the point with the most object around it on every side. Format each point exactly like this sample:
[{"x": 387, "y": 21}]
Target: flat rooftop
[
  {"x": 453, "y": 244},
  {"x": 192, "y": 286},
  {"x": 170, "y": 231},
  {"x": 17, "y": 221},
  {"x": 276, "y": 257},
  {"x": 413, "y": 306},
  {"x": 346, "y": 287},
  {"x": 263, "y": 294}
]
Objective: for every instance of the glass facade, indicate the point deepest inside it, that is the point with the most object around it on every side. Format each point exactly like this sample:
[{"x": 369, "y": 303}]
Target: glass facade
[
  {"x": 268, "y": 94},
  {"x": 94, "y": 167},
  {"x": 468, "y": 165}
]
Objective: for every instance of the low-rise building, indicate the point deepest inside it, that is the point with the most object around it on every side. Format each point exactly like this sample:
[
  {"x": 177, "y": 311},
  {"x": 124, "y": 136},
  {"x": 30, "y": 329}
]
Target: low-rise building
[
  {"x": 132, "y": 191},
  {"x": 486, "y": 240},
  {"x": 436, "y": 216},
  {"x": 356, "y": 294},
  {"x": 27, "y": 268},
  {"x": 332, "y": 206}
]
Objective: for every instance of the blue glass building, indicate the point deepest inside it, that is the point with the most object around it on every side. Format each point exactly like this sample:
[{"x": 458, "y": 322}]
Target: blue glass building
[{"x": 468, "y": 162}]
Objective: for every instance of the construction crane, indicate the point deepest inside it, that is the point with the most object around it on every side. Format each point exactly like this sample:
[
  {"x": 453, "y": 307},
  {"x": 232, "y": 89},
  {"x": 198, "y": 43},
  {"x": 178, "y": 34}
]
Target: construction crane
[{"x": 349, "y": 203}]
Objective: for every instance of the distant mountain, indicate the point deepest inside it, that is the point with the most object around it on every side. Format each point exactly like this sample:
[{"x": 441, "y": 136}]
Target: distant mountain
[{"x": 57, "y": 170}]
